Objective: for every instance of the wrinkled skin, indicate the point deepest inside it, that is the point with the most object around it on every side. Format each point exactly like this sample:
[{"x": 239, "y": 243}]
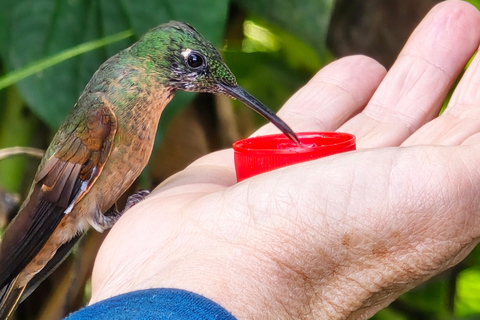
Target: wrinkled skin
[{"x": 339, "y": 237}]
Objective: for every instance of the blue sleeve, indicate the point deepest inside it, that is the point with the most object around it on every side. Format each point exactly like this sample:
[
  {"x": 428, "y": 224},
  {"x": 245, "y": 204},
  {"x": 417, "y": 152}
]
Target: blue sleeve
[{"x": 154, "y": 304}]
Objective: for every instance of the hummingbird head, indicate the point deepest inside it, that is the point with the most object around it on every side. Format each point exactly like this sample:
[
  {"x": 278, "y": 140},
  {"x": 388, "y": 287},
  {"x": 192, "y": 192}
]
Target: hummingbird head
[{"x": 185, "y": 60}]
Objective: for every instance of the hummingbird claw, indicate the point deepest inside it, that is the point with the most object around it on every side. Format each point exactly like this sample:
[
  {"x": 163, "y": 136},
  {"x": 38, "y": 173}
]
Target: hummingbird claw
[
  {"x": 135, "y": 198},
  {"x": 107, "y": 220}
]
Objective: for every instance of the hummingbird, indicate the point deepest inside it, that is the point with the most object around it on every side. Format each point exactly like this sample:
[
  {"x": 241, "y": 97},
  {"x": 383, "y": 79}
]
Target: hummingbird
[{"x": 103, "y": 145}]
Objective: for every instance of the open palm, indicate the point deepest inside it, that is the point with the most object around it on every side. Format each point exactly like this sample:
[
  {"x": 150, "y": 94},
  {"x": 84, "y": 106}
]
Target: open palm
[{"x": 337, "y": 237}]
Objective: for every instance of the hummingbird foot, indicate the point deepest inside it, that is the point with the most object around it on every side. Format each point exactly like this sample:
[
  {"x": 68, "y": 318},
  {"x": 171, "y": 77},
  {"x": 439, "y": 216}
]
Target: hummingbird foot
[
  {"x": 107, "y": 220},
  {"x": 135, "y": 198}
]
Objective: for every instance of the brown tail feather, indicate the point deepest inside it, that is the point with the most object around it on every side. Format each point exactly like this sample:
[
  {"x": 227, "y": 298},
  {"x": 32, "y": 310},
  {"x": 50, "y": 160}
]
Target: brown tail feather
[{"x": 9, "y": 299}]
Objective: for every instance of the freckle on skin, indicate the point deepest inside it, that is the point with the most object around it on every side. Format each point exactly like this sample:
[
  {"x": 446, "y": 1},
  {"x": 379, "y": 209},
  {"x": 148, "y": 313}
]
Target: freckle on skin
[
  {"x": 379, "y": 250},
  {"x": 346, "y": 240}
]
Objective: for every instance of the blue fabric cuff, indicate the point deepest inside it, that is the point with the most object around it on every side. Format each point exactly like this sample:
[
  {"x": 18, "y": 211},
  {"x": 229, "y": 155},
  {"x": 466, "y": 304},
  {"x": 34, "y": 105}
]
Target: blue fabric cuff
[{"x": 154, "y": 304}]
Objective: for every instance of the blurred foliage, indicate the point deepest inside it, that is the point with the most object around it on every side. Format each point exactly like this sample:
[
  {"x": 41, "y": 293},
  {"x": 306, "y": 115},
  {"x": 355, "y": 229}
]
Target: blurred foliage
[
  {"x": 273, "y": 47},
  {"x": 468, "y": 288},
  {"x": 308, "y": 21},
  {"x": 35, "y": 29}
]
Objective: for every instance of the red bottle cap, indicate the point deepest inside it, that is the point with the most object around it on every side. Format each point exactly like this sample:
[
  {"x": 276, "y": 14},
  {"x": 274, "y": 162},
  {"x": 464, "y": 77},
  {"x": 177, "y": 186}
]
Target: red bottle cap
[{"x": 264, "y": 153}]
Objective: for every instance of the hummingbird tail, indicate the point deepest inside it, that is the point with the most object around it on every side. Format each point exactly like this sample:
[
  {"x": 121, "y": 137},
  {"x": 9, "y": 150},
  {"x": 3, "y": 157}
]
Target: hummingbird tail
[
  {"x": 9, "y": 299},
  {"x": 61, "y": 254}
]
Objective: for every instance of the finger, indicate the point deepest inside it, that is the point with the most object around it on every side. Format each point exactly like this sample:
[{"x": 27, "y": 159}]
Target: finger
[
  {"x": 461, "y": 119},
  {"x": 210, "y": 173},
  {"x": 415, "y": 87},
  {"x": 473, "y": 140},
  {"x": 336, "y": 93}
]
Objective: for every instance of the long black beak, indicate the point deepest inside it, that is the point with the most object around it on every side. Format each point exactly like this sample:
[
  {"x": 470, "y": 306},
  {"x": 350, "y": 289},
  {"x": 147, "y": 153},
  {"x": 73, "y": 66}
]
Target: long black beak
[{"x": 239, "y": 93}]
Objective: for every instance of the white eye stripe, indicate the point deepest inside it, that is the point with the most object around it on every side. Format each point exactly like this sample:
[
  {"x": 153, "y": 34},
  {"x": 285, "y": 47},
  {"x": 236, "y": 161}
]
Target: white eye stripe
[{"x": 185, "y": 53}]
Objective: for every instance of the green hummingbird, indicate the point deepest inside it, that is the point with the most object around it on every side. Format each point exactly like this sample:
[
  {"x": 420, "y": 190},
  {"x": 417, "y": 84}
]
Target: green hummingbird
[{"x": 102, "y": 147}]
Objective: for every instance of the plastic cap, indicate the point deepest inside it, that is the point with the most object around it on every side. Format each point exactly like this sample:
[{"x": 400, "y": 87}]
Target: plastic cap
[{"x": 264, "y": 153}]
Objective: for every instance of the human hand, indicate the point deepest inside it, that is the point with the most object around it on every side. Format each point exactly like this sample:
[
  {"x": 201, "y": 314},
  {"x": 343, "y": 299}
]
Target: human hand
[{"x": 338, "y": 237}]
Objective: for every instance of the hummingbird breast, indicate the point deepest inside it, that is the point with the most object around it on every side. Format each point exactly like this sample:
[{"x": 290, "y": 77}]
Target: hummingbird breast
[{"x": 138, "y": 110}]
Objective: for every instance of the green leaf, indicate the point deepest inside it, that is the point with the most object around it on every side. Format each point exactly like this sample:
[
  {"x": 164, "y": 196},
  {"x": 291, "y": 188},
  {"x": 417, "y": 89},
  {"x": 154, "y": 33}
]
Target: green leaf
[
  {"x": 467, "y": 301},
  {"x": 40, "y": 65},
  {"x": 207, "y": 16},
  {"x": 309, "y": 20},
  {"x": 17, "y": 128},
  {"x": 33, "y": 30}
]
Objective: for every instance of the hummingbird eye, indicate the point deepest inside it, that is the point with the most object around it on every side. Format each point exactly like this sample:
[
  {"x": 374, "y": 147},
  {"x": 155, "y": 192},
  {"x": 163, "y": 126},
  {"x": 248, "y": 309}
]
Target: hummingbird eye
[{"x": 195, "y": 60}]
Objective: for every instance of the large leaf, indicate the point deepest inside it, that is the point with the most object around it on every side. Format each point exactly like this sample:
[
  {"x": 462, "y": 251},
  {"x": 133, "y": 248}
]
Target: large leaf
[
  {"x": 308, "y": 19},
  {"x": 35, "y": 29}
]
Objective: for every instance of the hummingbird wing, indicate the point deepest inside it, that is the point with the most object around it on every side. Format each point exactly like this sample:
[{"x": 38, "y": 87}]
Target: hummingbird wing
[
  {"x": 78, "y": 156},
  {"x": 79, "y": 159}
]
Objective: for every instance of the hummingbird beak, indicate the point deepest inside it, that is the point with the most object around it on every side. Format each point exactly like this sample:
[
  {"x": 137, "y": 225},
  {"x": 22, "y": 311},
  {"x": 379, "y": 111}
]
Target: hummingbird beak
[{"x": 240, "y": 94}]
